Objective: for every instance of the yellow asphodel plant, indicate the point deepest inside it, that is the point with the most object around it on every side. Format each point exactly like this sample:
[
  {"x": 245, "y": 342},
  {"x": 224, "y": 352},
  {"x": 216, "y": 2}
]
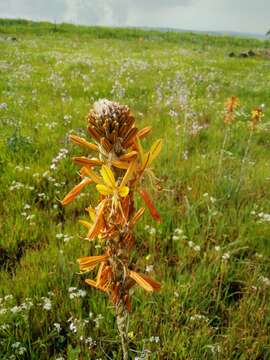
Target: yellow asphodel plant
[{"x": 116, "y": 169}]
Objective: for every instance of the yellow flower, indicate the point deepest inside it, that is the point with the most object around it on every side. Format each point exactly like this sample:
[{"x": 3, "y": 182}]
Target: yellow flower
[
  {"x": 110, "y": 187},
  {"x": 131, "y": 335}
]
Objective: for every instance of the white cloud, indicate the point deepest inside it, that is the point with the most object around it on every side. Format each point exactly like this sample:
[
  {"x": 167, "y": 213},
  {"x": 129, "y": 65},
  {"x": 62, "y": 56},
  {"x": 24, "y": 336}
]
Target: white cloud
[{"x": 237, "y": 15}]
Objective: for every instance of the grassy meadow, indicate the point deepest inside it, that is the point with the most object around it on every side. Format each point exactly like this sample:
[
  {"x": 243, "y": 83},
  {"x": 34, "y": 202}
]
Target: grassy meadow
[{"x": 211, "y": 250}]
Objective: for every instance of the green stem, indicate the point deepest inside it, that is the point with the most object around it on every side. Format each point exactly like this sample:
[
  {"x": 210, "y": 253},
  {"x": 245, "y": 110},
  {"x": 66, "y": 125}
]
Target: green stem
[
  {"x": 222, "y": 150},
  {"x": 244, "y": 161},
  {"x": 122, "y": 325}
]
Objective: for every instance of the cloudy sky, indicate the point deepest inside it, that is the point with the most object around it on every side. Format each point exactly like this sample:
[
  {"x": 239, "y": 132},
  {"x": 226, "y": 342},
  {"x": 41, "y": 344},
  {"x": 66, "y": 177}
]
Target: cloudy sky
[{"x": 214, "y": 15}]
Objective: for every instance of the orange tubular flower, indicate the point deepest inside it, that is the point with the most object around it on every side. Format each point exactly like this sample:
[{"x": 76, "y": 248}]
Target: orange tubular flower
[
  {"x": 75, "y": 191},
  {"x": 121, "y": 164},
  {"x": 230, "y": 106}
]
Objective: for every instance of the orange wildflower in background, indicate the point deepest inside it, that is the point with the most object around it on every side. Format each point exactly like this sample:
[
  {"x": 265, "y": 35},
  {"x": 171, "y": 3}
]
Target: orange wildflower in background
[
  {"x": 230, "y": 106},
  {"x": 256, "y": 116}
]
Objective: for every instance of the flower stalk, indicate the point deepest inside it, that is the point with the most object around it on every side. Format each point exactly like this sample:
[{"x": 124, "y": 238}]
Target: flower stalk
[{"x": 116, "y": 172}]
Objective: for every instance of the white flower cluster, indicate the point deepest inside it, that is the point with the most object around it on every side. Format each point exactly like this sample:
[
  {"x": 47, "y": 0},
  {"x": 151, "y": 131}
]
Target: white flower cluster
[
  {"x": 76, "y": 293},
  {"x": 65, "y": 237},
  {"x": 20, "y": 168},
  {"x": 199, "y": 317},
  {"x": 18, "y": 348},
  {"x": 178, "y": 234},
  {"x": 193, "y": 246},
  {"x": 61, "y": 155},
  {"x": 151, "y": 230},
  {"x": 264, "y": 280},
  {"x": 47, "y": 304},
  {"x": 16, "y": 185},
  {"x": 5, "y": 307},
  {"x": 154, "y": 339}
]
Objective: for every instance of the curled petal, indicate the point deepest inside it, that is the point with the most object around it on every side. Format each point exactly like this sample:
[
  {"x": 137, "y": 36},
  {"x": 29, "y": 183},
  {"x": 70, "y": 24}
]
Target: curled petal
[
  {"x": 97, "y": 179},
  {"x": 144, "y": 281},
  {"x": 145, "y": 161},
  {"x": 128, "y": 156},
  {"x": 129, "y": 139},
  {"x": 153, "y": 211},
  {"x": 87, "y": 263},
  {"x": 120, "y": 164},
  {"x": 129, "y": 173},
  {"x": 123, "y": 191},
  {"x": 98, "y": 224},
  {"x": 75, "y": 191},
  {"x": 82, "y": 160},
  {"x": 107, "y": 176},
  {"x": 82, "y": 142},
  {"x": 91, "y": 282},
  {"x": 85, "y": 223},
  {"x": 104, "y": 189},
  {"x": 155, "y": 150},
  {"x": 91, "y": 212},
  {"x": 155, "y": 284},
  {"x": 136, "y": 217},
  {"x": 94, "y": 284},
  {"x": 144, "y": 132}
]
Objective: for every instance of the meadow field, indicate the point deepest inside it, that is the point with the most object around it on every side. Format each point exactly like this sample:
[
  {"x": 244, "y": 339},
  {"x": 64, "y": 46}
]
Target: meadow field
[{"x": 211, "y": 250}]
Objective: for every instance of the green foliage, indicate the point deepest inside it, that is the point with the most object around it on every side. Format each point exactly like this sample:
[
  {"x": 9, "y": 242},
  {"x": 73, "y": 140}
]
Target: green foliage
[{"x": 211, "y": 250}]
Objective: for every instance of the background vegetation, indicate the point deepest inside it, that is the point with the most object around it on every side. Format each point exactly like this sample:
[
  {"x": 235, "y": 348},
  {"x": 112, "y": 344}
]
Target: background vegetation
[{"x": 211, "y": 250}]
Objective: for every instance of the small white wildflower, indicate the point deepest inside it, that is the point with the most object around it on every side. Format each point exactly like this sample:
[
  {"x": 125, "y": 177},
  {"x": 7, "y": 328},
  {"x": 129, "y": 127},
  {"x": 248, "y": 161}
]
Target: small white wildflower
[
  {"x": 21, "y": 350},
  {"x": 72, "y": 296},
  {"x": 264, "y": 280},
  {"x": 178, "y": 231},
  {"x": 82, "y": 293},
  {"x": 47, "y": 304},
  {"x": 226, "y": 256},
  {"x": 214, "y": 348},
  {"x": 185, "y": 155},
  {"x": 15, "y": 309},
  {"x": 154, "y": 339},
  {"x": 3, "y": 106},
  {"x": 57, "y": 326},
  {"x": 73, "y": 328},
  {"x": 198, "y": 317},
  {"x": 191, "y": 244},
  {"x": 152, "y": 231},
  {"x": 149, "y": 268},
  {"x": 4, "y": 327},
  {"x": 71, "y": 289}
]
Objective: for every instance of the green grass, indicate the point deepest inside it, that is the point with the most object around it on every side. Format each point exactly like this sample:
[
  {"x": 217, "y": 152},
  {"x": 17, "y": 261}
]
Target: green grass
[{"x": 214, "y": 302}]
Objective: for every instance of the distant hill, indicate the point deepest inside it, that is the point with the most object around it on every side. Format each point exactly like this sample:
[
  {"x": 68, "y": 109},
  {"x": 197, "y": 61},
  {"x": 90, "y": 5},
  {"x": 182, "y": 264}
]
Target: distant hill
[
  {"x": 215, "y": 33},
  {"x": 168, "y": 34}
]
